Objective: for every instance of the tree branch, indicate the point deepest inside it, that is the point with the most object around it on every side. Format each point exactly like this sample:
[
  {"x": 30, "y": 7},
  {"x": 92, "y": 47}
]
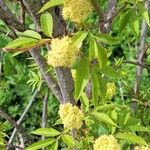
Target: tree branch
[
  {"x": 12, "y": 121},
  {"x": 52, "y": 84},
  {"x": 111, "y": 10},
  {"x": 9, "y": 18},
  {"x": 100, "y": 13},
  {"x": 140, "y": 59}
]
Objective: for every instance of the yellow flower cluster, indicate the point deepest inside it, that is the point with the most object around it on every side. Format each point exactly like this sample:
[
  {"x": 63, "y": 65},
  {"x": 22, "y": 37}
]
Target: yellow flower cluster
[
  {"x": 71, "y": 116},
  {"x": 77, "y": 10},
  {"x": 111, "y": 89},
  {"x": 142, "y": 148},
  {"x": 63, "y": 52},
  {"x": 106, "y": 142}
]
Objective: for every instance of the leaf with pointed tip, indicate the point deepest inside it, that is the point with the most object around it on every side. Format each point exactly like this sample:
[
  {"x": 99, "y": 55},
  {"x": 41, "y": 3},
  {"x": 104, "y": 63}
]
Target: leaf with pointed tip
[
  {"x": 31, "y": 34},
  {"x": 49, "y": 132},
  {"x": 104, "y": 118},
  {"x": 67, "y": 139},
  {"x": 50, "y": 4},
  {"x": 132, "y": 138},
  {"x": 47, "y": 24},
  {"x": 40, "y": 144}
]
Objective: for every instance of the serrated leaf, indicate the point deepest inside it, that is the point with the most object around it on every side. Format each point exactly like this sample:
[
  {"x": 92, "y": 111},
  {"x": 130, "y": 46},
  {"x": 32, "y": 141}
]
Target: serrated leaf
[
  {"x": 93, "y": 49},
  {"x": 95, "y": 86},
  {"x": 47, "y": 24},
  {"x": 132, "y": 138},
  {"x": 102, "y": 56},
  {"x": 31, "y": 34},
  {"x": 78, "y": 38},
  {"x": 82, "y": 75},
  {"x": 67, "y": 139},
  {"x": 105, "y": 38},
  {"x": 21, "y": 42},
  {"x": 124, "y": 20},
  {"x": 49, "y": 132},
  {"x": 104, "y": 118},
  {"x": 84, "y": 101},
  {"x": 102, "y": 87},
  {"x": 139, "y": 128},
  {"x": 24, "y": 44},
  {"x": 105, "y": 107},
  {"x": 50, "y": 4},
  {"x": 40, "y": 144},
  {"x": 55, "y": 146}
]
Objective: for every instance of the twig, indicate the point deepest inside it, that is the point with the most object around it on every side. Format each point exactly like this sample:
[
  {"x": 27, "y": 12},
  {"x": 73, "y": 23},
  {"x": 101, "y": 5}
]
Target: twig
[
  {"x": 9, "y": 18},
  {"x": 22, "y": 116},
  {"x": 137, "y": 63},
  {"x": 12, "y": 121},
  {"x": 44, "y": 113},
  {"x": 100, "y": 13},
  {"x": 140, "y": 59},
  {"x": 28, "y": 7}
]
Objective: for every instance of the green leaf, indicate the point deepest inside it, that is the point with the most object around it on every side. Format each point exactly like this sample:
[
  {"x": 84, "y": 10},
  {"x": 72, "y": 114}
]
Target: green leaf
[
  {"x": 93, "y": 50},
  {"x": 108, "y": 70},
  {"x": 144, "y": 13},
  {"x": 84, "y": 101},
  {"x": 104, "y": 118},
  {"x": 102, "y": 87},
  {"x": 40, "y": 144},
  {"x": 31, "y": 34},
  {"x": 49, "y": 132},
  {"x": 78, "y": 38},
  {"x": 139, "y": 128},
  {"x": 47, "y": 24},
  {"x": 125, "y": 20},
  {"x": 95, "y": 85},
  {"x": 105, "y": 38},
  {"x": 21, "y": 42},
  {"x": 55, "y": 146},
  {"x": 134, "y": 21},
  {"x": 132, "y": 138},
  {"x": 50, "y": 4},
  {"x": 82, "y": 75},
  {"x": 67, "y": 139},
  {"x": 105, "y": 107},
  {"x": 102, "y": 56}
]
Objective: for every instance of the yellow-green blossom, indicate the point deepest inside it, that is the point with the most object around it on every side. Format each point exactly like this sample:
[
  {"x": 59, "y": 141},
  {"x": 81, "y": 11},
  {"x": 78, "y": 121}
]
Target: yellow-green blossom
[
  {"x": 77, "y": 10},
  {"x": 106, "y": 142},
  {"x": 111, "y": 89},
  {"x": 142, "y": 148},
  {"x": 63, "y": 52},
  {"x": 71, "y": 116}
]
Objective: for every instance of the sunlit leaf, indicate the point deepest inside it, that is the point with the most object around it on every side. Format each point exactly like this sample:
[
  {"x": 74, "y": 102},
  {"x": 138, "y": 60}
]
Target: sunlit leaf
[
  {"x": 50, "y": 4},
  {"x": 40, "y": 144},
  {"x": 132, "y": 138},
  {"x": 47, "y": 24},
  {"x": 49, "y": 132}
]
